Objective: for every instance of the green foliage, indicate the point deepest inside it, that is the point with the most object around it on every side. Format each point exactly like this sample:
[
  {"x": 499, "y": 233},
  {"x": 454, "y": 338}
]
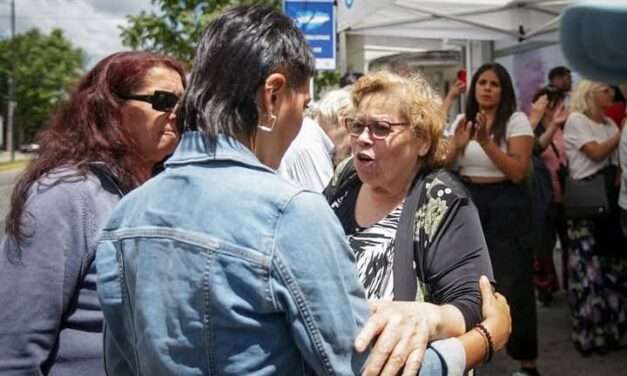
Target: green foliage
[
  {"x": 46, "y": 65},
  {"x": 179, "y": 24},
  {"x": 325, "y": 80}
]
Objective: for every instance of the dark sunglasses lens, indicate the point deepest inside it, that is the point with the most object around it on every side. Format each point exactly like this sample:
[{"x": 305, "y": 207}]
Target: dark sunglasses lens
[{"x": 164, "y": 101}]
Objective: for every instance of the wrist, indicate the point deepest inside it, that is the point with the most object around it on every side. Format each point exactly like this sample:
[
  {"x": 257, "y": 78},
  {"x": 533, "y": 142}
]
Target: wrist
[{"x": 484, "y": 143}]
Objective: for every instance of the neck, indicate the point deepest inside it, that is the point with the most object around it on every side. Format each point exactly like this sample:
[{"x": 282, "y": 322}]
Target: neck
[
  {"x": 265, "y": 147},
  {"x": 393, "y": 193},
  {"x": 144, "y": 173},
  {"x": 596, "y": 116}
]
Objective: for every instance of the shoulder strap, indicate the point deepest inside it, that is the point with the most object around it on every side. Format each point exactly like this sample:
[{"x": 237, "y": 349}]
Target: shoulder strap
[{"x": 405, "y": 264}]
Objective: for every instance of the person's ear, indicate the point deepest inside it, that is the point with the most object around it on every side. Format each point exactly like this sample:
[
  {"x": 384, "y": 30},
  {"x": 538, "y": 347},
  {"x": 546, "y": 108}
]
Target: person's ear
[
  {"x": 425, "y": 144},
  {"x": 274, "y": 87}
]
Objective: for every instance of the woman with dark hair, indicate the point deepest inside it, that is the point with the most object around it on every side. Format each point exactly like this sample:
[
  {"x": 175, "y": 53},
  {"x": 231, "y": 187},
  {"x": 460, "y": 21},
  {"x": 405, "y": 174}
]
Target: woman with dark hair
[
  {"x": 220, "y": 266},
  {"x": 547, "y": 117},
  {"x": 116, "y": 126},
  {"x": 491, "y": 146}
]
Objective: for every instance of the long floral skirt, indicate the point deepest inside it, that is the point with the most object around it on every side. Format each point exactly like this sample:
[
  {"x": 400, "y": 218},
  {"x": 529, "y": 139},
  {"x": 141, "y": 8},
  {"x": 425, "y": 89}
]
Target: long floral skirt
[{"x": 597, "y": 292}]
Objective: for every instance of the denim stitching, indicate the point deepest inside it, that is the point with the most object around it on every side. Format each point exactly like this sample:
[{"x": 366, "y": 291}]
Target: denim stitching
[{"x": 303, "y": 309}]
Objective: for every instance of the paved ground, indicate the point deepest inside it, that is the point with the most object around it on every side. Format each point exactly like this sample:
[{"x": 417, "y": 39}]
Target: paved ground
[{"x": 557, "y": 355}]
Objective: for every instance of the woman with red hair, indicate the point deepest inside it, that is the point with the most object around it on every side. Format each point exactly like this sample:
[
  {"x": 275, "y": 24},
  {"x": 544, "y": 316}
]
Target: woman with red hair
[{"x": 109, "y": 137}]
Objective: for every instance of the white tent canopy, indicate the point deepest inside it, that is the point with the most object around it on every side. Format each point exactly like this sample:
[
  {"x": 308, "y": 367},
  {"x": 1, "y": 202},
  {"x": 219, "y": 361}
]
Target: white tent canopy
[{"x": 513, "y": 20}]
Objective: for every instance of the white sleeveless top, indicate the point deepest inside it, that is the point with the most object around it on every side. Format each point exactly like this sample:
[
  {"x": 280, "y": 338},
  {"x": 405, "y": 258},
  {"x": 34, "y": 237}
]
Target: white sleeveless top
[{"x": 473, "y": 161}]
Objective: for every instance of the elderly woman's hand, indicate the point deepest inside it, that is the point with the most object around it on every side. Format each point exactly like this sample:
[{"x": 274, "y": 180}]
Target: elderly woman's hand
[
  {"x": 497, "y": 319},
  {"x": 402, "y": 331}
]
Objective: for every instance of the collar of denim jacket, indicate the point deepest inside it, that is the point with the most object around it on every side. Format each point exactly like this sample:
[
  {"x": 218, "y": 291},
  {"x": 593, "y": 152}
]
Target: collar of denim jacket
[{"x": 194, "y": 148}]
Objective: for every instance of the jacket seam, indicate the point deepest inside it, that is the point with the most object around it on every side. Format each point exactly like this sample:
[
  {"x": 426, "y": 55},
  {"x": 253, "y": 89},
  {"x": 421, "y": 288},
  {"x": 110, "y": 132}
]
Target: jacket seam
[{"x": 305, "y": 312}]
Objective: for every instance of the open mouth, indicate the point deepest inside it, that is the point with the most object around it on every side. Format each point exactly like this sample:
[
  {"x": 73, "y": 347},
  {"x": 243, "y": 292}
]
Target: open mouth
[{"x": 364, "y": 158}]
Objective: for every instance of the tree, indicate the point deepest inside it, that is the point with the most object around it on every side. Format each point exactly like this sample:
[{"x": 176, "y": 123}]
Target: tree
[
  {"x": 176, "y": 29},
  {"x": 46, "y": 65}
]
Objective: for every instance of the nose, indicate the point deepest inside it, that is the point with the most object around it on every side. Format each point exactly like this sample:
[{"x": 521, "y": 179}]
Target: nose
[{"x": 365, "y": 137}]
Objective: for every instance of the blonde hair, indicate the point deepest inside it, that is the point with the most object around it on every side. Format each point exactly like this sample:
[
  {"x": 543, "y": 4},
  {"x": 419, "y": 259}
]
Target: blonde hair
[
  {"x": 420, "y": 106},
  {"x": 583, "y": 97}
]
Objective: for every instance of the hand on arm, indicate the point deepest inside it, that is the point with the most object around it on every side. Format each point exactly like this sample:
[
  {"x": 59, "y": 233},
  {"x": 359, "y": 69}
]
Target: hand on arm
[{"x": 497, "y": 321}]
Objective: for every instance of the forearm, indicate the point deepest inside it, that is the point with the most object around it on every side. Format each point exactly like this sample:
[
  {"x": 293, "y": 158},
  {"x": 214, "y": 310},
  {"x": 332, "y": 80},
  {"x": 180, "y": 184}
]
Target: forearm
[
  {"x": 547, "y": 136},
  {"x": 513, "y": 167},
  {"x": 474, "y": 347},
  {"x": 445, "y": 321},
  {"x": 600, "y": 150},
  {"x": 452, "y": 152}
]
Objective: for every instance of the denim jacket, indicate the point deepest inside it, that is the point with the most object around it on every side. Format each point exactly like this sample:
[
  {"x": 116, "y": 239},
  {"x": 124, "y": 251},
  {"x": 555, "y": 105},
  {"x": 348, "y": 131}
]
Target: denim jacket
[{"x": 219, "y": 266}]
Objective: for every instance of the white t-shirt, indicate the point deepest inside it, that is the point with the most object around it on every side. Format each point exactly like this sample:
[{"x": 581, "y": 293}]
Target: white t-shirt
[
  {"x": 580, "y": 130},
  {"x": 474, "y": 161},
  {"x": 622, "y": 150},
  {"x": 309, "y": 159}
]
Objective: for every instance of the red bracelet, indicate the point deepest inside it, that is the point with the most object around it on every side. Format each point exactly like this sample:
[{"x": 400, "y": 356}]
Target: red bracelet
[{"x": 485, "y": 334}]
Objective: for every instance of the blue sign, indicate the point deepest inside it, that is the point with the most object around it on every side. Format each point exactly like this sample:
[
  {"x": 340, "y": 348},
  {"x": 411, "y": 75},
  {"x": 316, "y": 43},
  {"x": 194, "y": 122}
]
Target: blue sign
[{"x": 316, "y": 19}]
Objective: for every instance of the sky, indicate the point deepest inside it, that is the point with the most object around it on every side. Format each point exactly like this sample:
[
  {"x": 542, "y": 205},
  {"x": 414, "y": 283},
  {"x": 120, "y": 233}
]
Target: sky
[{"x": 92, "y": 25}]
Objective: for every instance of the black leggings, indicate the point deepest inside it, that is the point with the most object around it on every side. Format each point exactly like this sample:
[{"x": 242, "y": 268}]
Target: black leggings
[{"x": 504, "y": 210}]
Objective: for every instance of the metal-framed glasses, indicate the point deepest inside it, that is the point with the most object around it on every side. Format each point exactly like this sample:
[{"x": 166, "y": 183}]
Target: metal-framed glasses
[
  {"x": 161, "y": 100},
  {"x": 378, "y": 129}
]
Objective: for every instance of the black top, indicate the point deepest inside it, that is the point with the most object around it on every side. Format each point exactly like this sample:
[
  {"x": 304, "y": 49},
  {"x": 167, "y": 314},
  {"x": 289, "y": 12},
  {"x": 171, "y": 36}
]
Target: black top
[{"x": 449, "y": 245}]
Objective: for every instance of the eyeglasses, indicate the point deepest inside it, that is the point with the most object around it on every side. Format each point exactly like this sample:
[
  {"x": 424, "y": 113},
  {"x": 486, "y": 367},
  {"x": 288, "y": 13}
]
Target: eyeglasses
[
  {"x": 161, "y": 100},
  {"x": 378, "y": 129}
]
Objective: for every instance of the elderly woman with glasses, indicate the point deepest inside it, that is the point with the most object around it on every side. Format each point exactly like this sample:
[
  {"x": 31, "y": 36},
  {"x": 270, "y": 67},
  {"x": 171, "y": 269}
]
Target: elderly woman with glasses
[
  {"x": 397, "y": 147},
  {"x": 115, "y": 129}
]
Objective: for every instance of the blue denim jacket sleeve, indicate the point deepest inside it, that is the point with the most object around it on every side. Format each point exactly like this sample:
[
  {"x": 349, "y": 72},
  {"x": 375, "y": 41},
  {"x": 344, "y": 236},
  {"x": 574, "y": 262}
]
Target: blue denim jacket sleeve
[{"x": 314, "y": 280}]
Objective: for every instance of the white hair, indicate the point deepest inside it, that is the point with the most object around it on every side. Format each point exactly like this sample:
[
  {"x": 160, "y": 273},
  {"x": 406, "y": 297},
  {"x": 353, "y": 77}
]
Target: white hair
[{"x": 334, "y": 103}]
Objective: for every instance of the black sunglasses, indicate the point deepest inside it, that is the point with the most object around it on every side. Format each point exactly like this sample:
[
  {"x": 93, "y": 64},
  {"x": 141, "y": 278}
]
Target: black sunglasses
[{"x": 161, "y": 100}]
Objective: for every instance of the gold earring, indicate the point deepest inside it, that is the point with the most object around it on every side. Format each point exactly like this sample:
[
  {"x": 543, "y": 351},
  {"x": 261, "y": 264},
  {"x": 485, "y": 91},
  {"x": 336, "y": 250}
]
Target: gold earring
[{"x": 266, "y": 128}]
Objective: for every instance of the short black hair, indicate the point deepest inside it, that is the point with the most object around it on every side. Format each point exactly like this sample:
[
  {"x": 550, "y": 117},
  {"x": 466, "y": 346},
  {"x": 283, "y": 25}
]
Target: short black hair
[
  {"x": 557, "y": 72},
  {"x": 237, "y": 52}
]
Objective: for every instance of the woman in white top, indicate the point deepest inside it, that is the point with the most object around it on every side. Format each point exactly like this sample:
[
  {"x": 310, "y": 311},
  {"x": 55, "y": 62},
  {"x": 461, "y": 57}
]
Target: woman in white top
[
  {"x": 597, "y": 277},
  {"x": 491, "y": 148}
]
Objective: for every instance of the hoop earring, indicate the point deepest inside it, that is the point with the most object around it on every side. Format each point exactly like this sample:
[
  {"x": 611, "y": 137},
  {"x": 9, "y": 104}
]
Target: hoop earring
[{"x": 266, "y": 128}]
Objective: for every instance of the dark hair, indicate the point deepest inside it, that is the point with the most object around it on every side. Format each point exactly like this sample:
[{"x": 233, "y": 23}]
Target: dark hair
[
  {"x": 553, "y": 94},
  {"x": 557, "y": 72},
  {"x": 238, "y": 51},
  {"x": 350, "y": 78},
  {"x": 86, "y": 128},
  {"x": 618, "y": 95},
  {"x": 506, "y": 106}
]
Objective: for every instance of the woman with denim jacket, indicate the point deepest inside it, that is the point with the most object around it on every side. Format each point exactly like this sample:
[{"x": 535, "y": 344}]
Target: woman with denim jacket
[
  {"x": 220, "y": 266},
  {"x": 115, "y": 127}
]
